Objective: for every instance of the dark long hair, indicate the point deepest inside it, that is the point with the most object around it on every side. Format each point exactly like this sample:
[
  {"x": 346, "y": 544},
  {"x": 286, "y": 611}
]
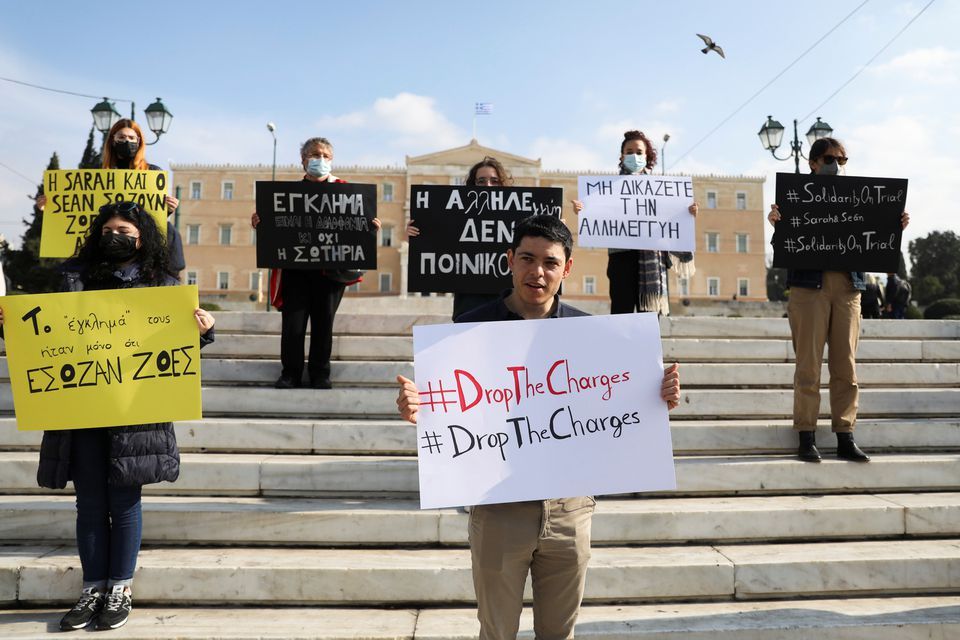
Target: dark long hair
[
  {"x": 152, "y": 256},
  {"x": 821, "y": 146},
  {"x": 505, "y": 178}
]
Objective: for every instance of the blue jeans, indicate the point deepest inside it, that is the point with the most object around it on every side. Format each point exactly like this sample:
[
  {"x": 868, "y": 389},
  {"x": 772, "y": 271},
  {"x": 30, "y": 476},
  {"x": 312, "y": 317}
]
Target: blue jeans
[{"x": 109, "y": 518}]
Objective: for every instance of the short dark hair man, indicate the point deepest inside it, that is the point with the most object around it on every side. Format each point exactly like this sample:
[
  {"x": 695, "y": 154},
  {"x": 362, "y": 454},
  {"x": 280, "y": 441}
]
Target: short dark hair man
[{"x": 550, "y": 538}]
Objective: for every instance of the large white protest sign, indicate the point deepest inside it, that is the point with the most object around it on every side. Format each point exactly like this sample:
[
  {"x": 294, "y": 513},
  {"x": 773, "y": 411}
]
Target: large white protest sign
[
  {"x": 540, "y": 409},
  {"x": 636, "y": 212}
]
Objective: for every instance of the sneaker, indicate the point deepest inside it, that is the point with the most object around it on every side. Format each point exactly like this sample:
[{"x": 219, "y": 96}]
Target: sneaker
[
  {"x": 116, "y": 610},
  {"x": 83, "y": 613}
]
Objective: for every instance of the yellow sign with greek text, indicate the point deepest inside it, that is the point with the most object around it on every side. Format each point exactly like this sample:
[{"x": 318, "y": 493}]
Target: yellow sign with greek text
[
  {"x": 74, "y": 198},
  {"x": 103, "y": 358}
]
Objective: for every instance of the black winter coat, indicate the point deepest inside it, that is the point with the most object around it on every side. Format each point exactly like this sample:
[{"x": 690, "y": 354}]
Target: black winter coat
[{"x": 139, "y": 454}]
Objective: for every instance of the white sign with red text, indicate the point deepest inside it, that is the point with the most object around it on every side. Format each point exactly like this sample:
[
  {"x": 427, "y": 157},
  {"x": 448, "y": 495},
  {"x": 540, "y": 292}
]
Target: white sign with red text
[{"x": 540, "y": 409}]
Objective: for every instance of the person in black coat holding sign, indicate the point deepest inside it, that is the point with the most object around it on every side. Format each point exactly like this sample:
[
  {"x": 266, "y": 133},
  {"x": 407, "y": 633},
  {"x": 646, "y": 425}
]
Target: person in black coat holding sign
[
  {"x": 124, "y": 148},
  {"x": 309, "y": 294},
  {"x": 109, "y": 466},
  {"x": 824, "y": 308},
  {"x": 489, "y": 172}
]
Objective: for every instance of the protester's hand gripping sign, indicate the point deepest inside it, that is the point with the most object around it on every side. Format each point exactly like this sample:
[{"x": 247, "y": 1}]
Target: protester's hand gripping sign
[
  {"x": 541, "y": 409},
  {"x": 74, "y": 198},
  {"x": 636, "y": 212},
  {"x": 103, "y": 358},
  {"x": 839, "y": 223}
]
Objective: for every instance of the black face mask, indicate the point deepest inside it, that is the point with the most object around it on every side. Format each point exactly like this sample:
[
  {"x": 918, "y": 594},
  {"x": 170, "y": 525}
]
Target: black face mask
[
  {"x": 126, "y": 150},
  {"x": 118, "y": 248}
]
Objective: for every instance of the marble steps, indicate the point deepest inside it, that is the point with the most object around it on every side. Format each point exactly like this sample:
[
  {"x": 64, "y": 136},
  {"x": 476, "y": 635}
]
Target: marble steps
[
  {"x": 227, "y": 371},
  {"x": 676, "y": 326},
  {"x": 230, "y": 371},
  {"x": 901, "y": 618},
  {"x": 705, "y": 349},
  {"x": 395, "y": 577},
  {"x": 393, "y": 436},
  {"x": 209, "y": 474},
  {"x": 380, "y": 402},
  {"x": 277, "y": 522}
]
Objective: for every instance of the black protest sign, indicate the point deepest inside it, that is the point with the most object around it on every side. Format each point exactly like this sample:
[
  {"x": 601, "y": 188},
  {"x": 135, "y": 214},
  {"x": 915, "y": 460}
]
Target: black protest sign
[
  {"x": 465, "y": 233},
  {"x": 839, "y": 223},
  {"x": 316, "y": 225}
]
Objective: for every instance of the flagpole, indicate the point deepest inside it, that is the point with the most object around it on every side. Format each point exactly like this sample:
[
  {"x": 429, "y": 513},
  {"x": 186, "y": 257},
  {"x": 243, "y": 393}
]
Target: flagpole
[{"x": 474, "y": 123}]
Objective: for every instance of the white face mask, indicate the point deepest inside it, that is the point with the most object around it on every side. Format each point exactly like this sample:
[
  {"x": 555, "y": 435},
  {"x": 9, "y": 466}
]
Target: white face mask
[
  {"x": 829, "y": 169},
  {"x": 634, "y": 162},
  {"x": 319, "y": 167}
]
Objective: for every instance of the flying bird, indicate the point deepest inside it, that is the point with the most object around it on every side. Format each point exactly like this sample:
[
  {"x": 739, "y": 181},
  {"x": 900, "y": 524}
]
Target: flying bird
[{"x": 711, "y": 46}]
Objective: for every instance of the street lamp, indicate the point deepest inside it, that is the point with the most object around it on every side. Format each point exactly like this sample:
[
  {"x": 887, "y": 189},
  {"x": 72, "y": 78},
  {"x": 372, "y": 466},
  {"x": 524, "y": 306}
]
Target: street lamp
[
  {"x": 105, "y": 115},
  {"x": 771, "y": 134},
  {"x": 663, "y": 155},
  {"x": 272, "y": 128}
]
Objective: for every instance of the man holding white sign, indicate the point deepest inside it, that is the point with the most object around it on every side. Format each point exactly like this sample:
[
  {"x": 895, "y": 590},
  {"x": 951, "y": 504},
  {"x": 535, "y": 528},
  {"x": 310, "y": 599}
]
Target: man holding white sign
[{"x": 516, "y": 530}]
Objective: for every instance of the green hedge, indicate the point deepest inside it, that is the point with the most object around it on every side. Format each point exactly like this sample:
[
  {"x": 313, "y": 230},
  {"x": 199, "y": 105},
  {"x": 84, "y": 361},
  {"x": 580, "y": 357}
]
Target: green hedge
[{"x": 942, "y": 308}]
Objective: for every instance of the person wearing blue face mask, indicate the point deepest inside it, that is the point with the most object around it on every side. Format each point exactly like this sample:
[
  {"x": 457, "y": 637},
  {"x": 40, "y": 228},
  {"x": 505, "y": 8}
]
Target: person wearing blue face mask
[
  {"x": 824, "y": 309},
  {"x": 309, "y": 294},
  {"x": 638, "y": 278}
]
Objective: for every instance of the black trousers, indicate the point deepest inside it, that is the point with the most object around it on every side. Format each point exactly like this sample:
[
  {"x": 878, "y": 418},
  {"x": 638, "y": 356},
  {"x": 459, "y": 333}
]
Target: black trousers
[
  {"x": 623, "y": 271},
  {"x": 307, "y": 295}
]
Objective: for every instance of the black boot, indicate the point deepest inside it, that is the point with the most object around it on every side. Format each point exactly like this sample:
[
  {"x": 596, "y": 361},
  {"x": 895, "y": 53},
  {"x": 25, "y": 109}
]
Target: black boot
[
  {"x": 847, "y": 449},
  {"x": 808, "y": 447}
]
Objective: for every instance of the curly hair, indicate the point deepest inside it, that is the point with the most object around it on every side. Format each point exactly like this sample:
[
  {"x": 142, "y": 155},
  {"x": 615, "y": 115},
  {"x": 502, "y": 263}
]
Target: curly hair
[
  {"x": 152, "y": 255},
  {"x": 502, "y": 174},
  {"x": 651, "y": 151}
]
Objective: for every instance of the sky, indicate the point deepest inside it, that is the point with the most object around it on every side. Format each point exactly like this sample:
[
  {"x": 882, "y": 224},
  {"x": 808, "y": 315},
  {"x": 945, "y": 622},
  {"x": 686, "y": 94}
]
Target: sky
[{"x": 384, "y": 80}]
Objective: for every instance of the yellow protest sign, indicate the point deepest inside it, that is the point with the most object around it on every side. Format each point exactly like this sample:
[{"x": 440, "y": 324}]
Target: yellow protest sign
[
  {"x": 103, "y": 358},
  {"x": 75, "y": 196}
]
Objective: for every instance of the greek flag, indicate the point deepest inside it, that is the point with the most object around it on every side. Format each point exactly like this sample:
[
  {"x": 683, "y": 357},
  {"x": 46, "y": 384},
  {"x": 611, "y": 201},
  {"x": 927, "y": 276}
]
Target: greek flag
[{"x": 483, "y": 108}]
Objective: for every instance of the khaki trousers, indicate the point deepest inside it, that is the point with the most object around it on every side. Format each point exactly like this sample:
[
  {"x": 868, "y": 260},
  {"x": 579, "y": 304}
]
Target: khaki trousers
[
  {"x": 549, "y": 539},
  {"x": 830, "y": 315}
]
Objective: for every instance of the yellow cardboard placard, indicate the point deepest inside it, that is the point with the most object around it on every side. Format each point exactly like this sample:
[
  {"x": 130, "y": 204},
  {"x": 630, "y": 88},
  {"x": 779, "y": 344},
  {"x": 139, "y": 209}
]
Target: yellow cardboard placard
[
  {"x": 103, "y": 358},
  {"x": 74, "y": 197}
]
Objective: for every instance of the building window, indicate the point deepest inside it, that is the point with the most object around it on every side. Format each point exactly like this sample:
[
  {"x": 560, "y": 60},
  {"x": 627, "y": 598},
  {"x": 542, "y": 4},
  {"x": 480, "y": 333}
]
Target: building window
[
  {"x": 193, "y": 234},
  {"x": 743, "y": 287},
  {"x": 223, "y": 280},
  {"x": 457, "y": 181},
  {"x": 713, "y": 242},
  {"x": 386, "y": 282},
  {"x": 255, "y": 280},
  {"x": 354, "y": 288},
  {"x": 253, "y": 237},
  {"x": 684, "y": 286},
  {"x": 226, "y": 193},
  {"x": 192, "y": 277},
  {"x": 388, "y": 192},
  {"x": 743, "y": 242},
  {"x": 195, "y": 190},
  {"x": 711, "y": 199},
  {"x": 741, "y": 201},
  {"x": 386, "y": 236},
  {"x": 590, "y": 285},
  {"x": 713, "y": 286},
  {"x": 226, "y": 234}
]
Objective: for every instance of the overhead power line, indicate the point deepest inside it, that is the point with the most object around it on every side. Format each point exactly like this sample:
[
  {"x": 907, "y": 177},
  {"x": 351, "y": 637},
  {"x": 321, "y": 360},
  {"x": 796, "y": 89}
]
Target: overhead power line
[
  {"x": 764, "y": 87},
  {"x": 70, "y": 93},
  {"x": 15, "y": 172},
  {"x": 875, "y": 56}
]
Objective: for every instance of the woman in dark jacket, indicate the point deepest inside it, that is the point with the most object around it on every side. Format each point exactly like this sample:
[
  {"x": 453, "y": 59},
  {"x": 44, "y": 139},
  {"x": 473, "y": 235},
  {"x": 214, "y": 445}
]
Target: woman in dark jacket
[
  {"x": 109, "y": 466},
  {"x": 638, "y": 277}
]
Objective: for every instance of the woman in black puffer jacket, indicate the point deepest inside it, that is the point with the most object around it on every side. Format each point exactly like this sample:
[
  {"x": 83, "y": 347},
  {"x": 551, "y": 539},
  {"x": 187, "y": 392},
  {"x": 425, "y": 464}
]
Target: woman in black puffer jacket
[{"x": 109, "y": 466}]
